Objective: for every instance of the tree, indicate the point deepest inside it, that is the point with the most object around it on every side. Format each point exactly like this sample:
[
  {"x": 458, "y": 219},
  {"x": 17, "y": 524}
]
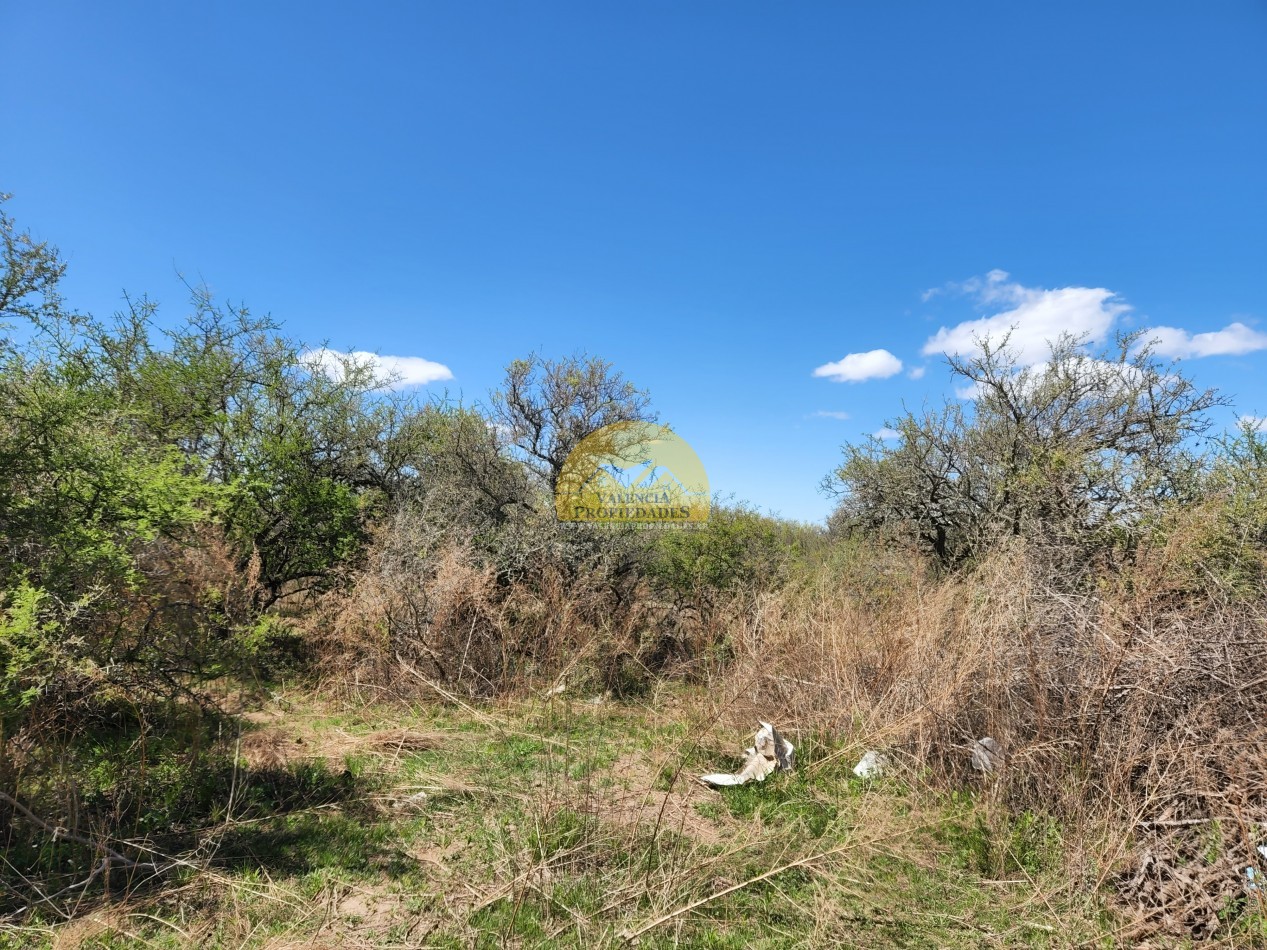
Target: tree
[
  {"x": 307, "y": 446},
  {"x": 80, "y": 482},
  {"x": 85, "y": 492},
  {"x": 31, "y": 271},
  {"x": 547, "y": 406},
  {"x": 1077, "y": 449},
  {"x": 127, "y": 421}
]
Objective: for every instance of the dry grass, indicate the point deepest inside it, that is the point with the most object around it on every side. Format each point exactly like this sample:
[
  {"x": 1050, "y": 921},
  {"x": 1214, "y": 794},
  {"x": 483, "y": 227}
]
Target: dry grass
[
  {"x": 445, "y": 614},
  {"x": 1135, "y": 715},
  {"x": 1132, "y": 710},
  {"x": 559, "y": 823},
  {"x": 502, "y": 808}
]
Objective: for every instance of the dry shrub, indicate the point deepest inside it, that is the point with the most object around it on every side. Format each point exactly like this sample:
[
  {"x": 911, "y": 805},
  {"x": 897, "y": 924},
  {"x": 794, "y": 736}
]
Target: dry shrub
[
  {"x": 439, "y": 614},
  {"x": 1133, "y": 712},
  {"x": 120, "y": 739},
  {"x": 197, "y": 595},
  {"x": 429, "y": 606}
]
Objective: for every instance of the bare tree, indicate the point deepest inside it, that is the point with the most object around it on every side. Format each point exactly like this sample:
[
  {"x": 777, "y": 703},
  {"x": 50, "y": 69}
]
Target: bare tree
[
  {"x": 1062, "y": 451},
  {"x": 547, "y": 406}
]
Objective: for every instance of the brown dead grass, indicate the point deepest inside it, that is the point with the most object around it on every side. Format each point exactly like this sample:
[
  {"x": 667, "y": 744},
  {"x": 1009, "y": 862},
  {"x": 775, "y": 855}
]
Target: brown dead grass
[
  {"x": 1136, "y": 714},
  {"x": 274, "y": 746},
  {"x": 75, "y": 933},
  {"x": 1133, "y": 710},
  {"x": 638, "y": 806}
]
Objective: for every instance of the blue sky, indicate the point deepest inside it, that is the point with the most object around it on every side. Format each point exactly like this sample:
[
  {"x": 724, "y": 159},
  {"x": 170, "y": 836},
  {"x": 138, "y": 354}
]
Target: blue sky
[{"x": 720, "y": 198}]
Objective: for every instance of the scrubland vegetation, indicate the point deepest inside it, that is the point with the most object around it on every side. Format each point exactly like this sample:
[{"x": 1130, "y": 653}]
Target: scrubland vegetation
[{"x": 291, "y": 658}]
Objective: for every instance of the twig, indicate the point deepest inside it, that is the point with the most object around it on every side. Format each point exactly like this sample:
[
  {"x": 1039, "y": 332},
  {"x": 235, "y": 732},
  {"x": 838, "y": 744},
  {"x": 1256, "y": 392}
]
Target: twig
[
  {"x": 59, "y": 832},
  {"x": 687, "y": 908},
  {"x": 479, "y": 715},
  {"x": 1186, "y": 822}
]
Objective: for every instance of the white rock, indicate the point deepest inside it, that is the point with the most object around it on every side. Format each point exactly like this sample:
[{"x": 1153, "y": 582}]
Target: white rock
[{"x": 1252, "y": 875}]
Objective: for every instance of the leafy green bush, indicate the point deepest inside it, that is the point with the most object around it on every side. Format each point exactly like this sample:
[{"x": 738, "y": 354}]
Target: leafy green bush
[
  {"x": 737, "y": 549},
  {"x": 33, "y": 651}
]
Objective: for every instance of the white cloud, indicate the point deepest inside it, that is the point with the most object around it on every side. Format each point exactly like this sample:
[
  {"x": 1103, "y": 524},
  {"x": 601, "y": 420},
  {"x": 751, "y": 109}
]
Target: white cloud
[
  {"x": 1256, "y": 423},
  {"x": 397, "y": 370},
  {"x": 887, "y": 434},
  {"x": 831, "y": 414},
  {"x": 854, "y": 368},
  {"x": 1233, "y": 340},
  {"x": 1035, "y": 317},
  {"x": 917, "y": 372}
]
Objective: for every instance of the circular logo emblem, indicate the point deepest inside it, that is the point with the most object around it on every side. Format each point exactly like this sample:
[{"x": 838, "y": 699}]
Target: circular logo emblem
[{"x": 633, "y": 472}]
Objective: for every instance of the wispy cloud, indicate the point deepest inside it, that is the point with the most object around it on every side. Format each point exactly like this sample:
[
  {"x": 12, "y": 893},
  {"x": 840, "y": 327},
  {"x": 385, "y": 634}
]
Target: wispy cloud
[
  {"x": 887, "y": 434},
  {"x": 831, "y": 414},
  {"x": 916, "y": 372},
  {"x": 1233, "y": 340},
  {"x": 991, "y": 288},
  {"x": 856, "y": 367},
  {"x": 1256, "y": 423},
  {"x": 1031, "y": 317},
  {"x": 398, "y": 371}
]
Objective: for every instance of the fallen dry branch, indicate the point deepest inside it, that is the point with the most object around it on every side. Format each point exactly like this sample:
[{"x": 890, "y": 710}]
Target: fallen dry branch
[{"x": 773, "y": 872}]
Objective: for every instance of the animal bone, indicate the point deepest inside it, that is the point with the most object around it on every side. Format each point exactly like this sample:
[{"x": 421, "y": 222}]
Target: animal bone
[{"x": 769, "y": 752}]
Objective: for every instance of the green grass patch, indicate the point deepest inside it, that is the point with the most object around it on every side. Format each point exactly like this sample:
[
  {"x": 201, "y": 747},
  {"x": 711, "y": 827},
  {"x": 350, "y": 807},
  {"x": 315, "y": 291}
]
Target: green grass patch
[{"x": 512, "y": 846}]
